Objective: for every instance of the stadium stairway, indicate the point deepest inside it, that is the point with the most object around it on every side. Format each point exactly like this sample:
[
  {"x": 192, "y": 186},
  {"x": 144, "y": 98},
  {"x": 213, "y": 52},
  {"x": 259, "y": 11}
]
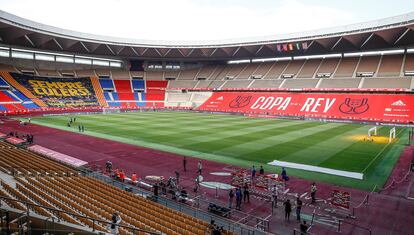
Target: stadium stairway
[
  {"x": 22, "y": 89},
  {"x": 98, "y": 91}
]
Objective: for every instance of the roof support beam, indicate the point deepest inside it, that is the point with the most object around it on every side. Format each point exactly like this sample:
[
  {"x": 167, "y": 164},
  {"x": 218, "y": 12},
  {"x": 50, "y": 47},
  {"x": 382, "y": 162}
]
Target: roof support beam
[
  {"x": 110, "y": 49},
  {"x": 29, "y": 40},
  {"x": 136, "y": 53},
  {"x": 310, "y": 44},
  {"x": 159, "y": 53},
  {"x": 57, "y": 43},
  {"x": 258, "y": 50},
  {"x": 238, "y": 48},
  {"x": 366, "y": 40},
  {"x": 402, "y": 36},
  {"x": 336, "y": 43},
  {"x": 84, "y": 46}
]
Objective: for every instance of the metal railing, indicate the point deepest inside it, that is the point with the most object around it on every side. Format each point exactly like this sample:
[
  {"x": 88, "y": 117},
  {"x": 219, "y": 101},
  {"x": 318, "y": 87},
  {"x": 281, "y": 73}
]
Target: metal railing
[
  {"x": 59, "y": 212},
  {"x": 260, "y": 225}
]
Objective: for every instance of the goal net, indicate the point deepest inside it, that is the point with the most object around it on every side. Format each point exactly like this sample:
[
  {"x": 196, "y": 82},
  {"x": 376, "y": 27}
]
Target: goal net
[
  {"x": 392, "y": 134},
  {"x": 372, "y": 130},
  {"x": 111, "y": 110}
]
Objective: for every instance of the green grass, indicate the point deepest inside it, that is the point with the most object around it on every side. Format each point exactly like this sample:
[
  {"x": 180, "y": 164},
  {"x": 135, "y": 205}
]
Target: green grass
[{"x": 246, "y": 141}]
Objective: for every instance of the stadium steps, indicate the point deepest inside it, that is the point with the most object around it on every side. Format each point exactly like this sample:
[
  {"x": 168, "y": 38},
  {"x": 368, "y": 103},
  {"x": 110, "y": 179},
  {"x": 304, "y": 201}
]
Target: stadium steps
[
  {"x": 98, "y": 91},
  {"x": 22, "y": 89}
]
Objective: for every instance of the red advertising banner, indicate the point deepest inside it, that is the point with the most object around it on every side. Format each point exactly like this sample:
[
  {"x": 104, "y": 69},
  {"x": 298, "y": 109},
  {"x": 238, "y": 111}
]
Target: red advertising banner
[{"x": 397, "y": 108}]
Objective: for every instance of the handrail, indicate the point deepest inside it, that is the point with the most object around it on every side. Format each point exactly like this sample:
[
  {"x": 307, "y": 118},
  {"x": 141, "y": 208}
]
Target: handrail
[
  {"x": 94, "y": 220},
  {"x": 102, "y": 177},
  {"x": 298, "y": 232},
  {"x": 356, "y": 225}
]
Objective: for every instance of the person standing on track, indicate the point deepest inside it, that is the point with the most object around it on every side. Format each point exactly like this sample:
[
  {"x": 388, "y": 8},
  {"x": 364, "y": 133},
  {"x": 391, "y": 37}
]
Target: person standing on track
[
  {"x": 288, "y": 209},
  {"x": 199, "y": 167},
  {"x": 177, "y": 177},
  {"x": 253, "y": 172},
  {"x": 231, "y": 196},
  {"x": 274, "y": 196},
  {"x": 185, "y": 164},
  {"x": 246, "y": 194},
  {"x": 313, "y": 192},
  {"x": 261, "y": 171},
  {"x": 238, "y": 198},
  {"x": 298, "y": 208}
]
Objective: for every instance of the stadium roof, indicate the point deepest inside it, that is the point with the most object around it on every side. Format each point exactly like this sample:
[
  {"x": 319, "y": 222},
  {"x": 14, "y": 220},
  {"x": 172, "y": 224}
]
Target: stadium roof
[{"x": 390, "y": 32}]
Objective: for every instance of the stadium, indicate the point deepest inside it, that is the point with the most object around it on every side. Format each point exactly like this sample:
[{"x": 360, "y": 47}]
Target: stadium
[{"x": 111, "y": 135}]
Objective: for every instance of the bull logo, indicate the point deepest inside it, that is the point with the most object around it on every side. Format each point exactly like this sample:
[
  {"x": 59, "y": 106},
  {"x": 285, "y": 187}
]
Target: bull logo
[
  {"x": 240, "y": 102},
  {"x": 354, "y": 106}
]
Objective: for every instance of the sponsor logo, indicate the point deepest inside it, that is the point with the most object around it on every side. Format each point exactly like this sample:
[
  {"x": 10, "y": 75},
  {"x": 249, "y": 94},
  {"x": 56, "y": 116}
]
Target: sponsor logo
[
  {"x": 398, "y": 103},
  {"x": 354, "y": 106},
  {"x": 240, "y": 102},
  {"x": 220, "y": 98}
]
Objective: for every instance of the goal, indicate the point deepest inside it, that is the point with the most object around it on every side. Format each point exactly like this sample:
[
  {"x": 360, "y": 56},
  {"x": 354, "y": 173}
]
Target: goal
[
  {"x": 374, "y": 129},
  {"x": 110, "y": 110}
]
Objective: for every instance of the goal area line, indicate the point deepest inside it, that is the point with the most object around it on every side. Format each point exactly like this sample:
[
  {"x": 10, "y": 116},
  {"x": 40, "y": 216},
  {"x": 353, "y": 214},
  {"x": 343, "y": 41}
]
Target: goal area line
[{"x": 349, "y": 174}]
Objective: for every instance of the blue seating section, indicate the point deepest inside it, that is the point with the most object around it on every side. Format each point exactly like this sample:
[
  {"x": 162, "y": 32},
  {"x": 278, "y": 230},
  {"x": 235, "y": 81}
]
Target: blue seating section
[
  {"x": 21, "y": 96},
  {"x": 106, "y": 95},
  {"x": 115, "y": 95},
  {"x": 2, "y": 108},
  {"x": 113, "y": 98},
  {"x": 30, "y": 105},
  {"x": 138, "y": 85},
  {"x": 106, "y": 84},
  {"x": 114, "y": 104},
  {"x": 3, "y": 83}
]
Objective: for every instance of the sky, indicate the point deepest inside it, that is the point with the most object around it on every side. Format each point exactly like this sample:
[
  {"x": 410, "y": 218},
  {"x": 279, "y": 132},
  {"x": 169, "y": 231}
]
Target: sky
[{"x": 188, "y": 20}]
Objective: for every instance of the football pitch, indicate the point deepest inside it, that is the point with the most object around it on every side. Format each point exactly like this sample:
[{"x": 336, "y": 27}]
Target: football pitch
[{"x": 244, "y": 141}]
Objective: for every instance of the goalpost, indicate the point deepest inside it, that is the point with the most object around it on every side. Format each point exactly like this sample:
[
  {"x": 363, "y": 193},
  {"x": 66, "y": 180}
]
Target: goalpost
[
  {"x": 392, "y": 134},
  {"x": 374, "y": 129},
  {"x": 111, "y": 110}
]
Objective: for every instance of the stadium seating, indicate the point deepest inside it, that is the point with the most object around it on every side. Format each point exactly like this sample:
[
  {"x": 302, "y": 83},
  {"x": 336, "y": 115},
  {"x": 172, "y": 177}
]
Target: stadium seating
[
  {"x": 368, "y": 64},
  {"x": 120, "y": 74},
  {"x": 248, "y": 71},
  {"x": 270, "y": 83},
  {"x": 328, "y": 65},
  {"x": 171, "y": 75},
  {"x": 39, "y": 181},
  {"x": 182, "y": 84},
  {"x": 299, "y": 83},
  {"x": 390, "y": 66},
  {"x": 154, "y": 75},
  {"x": 233, "y": 84},
  {"x": 309, "y": 68},
  {"x": 207, "y": 72},
  {"x": 263, "y": 69},
  {"x": 346, "y": 67},
  {"x": 276, "y": 70},
  {"x": 28, "y": 163},
  {"x": 387, "y": 83},
  {"x": 294, "y": 67},
  {"x": 133, "y": 89},
  {"x": 409, "y": 63},
  {"x": 340, "y": 83},
  {"x": 209, "y": 84},
  {"x": 189, "y": 74}
]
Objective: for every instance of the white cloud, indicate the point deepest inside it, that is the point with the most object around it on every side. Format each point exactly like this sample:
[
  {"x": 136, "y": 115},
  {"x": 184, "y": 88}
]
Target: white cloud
[{"x": 178, "y": 19}]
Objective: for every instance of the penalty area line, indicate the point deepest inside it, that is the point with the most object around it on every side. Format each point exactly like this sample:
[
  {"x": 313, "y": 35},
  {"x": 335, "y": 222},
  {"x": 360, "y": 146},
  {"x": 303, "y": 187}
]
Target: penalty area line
[{"x": 379, "y": 154}]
